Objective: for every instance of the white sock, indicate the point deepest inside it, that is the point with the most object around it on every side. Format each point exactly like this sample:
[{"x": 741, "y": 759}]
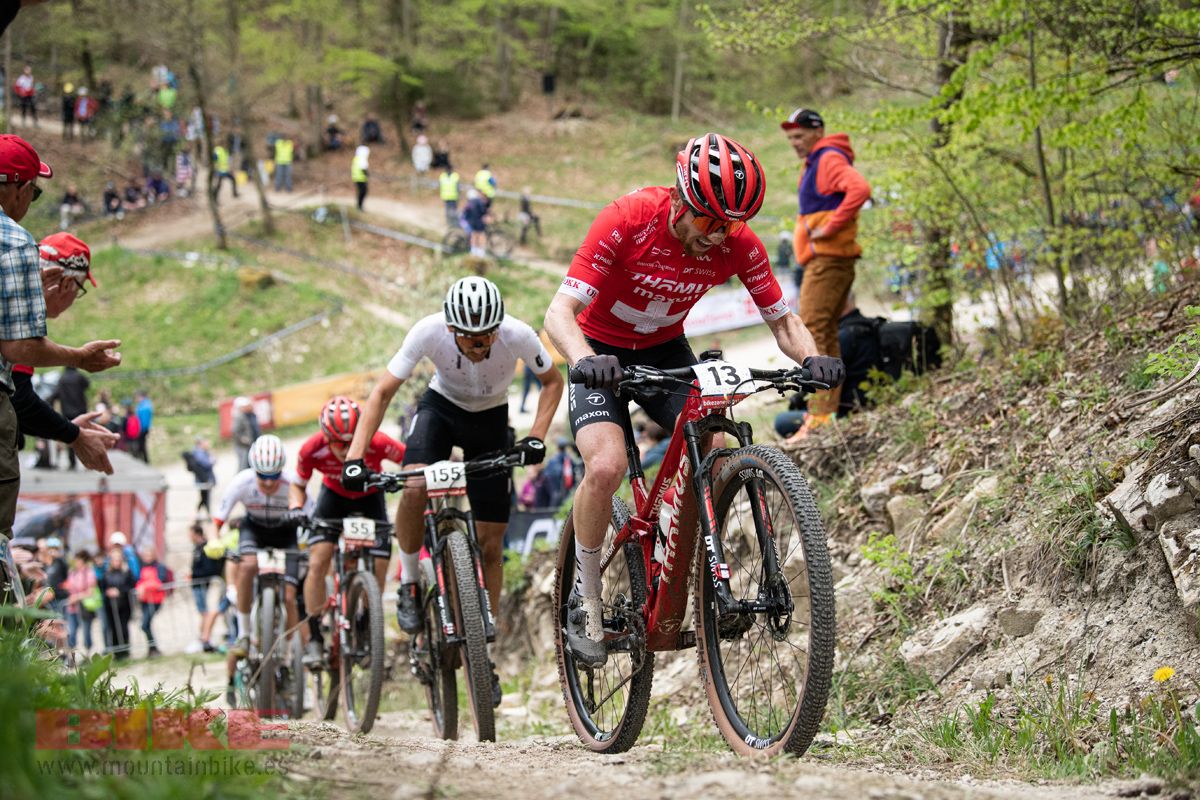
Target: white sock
[
  {"x": 410, "y": 565},
  {"x": 587, "y": 570},
  {"x": 244, "y": 624}
]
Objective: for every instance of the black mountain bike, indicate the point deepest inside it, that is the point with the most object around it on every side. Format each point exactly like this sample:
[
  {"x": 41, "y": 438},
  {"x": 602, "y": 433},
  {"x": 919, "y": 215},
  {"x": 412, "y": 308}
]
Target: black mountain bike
[
  {"x": 270, "y": 679},
  {"x": 352, "y": 623},
  {"x": 457, "y": 622}
]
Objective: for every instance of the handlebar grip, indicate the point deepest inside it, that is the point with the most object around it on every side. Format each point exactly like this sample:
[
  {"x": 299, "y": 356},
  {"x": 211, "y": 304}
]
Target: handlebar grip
[{"x": 575, "y": 375}]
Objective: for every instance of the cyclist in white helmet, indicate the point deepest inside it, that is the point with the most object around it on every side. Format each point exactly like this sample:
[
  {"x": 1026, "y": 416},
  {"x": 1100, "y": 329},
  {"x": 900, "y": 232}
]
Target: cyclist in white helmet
[
  {"x": 475, "y": 348},
  {"x": 261, "y": 489}
]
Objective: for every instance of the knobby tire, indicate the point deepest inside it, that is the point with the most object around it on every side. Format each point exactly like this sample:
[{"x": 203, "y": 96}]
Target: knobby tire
[
  {"x": 361, "y": 705},
  {"x": 799, "y": 540},
  {"x": 469, "y": 616}
]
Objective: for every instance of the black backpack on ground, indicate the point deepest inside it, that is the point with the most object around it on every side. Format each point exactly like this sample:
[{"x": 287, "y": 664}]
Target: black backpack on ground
[{"x": 906, "y": 346}]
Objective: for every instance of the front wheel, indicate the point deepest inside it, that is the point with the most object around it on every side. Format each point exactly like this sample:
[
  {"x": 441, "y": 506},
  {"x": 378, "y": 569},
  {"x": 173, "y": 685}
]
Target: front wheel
[
  {"x": 432, "y": 659},
  {"x": 607, "y": 705},
  {"x": 500, "y": 242},
  {"x": 265, "y": 685},
  {"x": 362, "y": 658},
  {"x": 468, "y": 612},
  {"x": 767, "y": 673}
]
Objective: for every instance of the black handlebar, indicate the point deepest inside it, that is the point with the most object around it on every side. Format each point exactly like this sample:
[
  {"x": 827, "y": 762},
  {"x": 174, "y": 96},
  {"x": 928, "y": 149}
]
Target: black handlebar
[
  {"x": 482, "y": 465},
  {"x": 634, "y": 377}
]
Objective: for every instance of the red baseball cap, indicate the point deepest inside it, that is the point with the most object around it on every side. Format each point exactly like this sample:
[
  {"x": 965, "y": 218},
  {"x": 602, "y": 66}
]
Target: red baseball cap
[
  {"x": 19, "y": 161},
  {"x": 69, "y": 252}
]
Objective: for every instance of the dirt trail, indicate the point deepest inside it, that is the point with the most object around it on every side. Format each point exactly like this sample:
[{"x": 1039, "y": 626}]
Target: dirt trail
[{"x": 400, "y": 760}]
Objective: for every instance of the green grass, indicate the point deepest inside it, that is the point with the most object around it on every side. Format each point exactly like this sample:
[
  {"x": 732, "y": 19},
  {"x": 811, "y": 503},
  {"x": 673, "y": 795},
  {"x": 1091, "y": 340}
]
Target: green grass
[
  {"x": 36, "y": 681},
  {"x": 1054, "y": 728}
]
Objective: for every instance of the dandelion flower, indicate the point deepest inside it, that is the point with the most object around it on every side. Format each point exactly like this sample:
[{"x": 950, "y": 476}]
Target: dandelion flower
[{"x": 1163, "y": 674}]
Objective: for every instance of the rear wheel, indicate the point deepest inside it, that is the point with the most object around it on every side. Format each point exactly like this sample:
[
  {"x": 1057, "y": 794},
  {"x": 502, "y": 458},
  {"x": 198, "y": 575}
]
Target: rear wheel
[
  {"x": 767, "y": 674},
  {"x": 265, "y": 684},
  {"x": 455, "y": 242},
  {"x": 433, "y": 662},
  {"x": 607, "y": 705},
  {"x": 296, "y": 678},
  {"x": 362, "y": 658},
  {"x": 468, "y": 614}
]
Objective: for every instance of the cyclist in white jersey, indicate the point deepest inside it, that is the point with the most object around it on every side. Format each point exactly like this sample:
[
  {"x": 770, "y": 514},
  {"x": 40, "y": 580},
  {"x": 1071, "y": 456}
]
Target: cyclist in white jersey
[
  {"x": 475, "y": 349},
  {"x": 268, "y": 523}
]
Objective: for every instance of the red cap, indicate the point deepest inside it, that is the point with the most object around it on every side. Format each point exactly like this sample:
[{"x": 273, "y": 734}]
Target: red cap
[
  {"x": 19, "y": 161},
  {"x": 69, "y": 252}
]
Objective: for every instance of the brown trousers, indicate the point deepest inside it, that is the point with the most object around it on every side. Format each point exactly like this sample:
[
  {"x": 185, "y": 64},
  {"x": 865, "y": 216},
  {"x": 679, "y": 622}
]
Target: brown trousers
[{"x": 827, "y": 281}]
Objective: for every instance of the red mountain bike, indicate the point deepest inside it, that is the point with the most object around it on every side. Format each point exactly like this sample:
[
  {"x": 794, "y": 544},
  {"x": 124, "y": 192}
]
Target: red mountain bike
[{"x": 764, "y": 609}]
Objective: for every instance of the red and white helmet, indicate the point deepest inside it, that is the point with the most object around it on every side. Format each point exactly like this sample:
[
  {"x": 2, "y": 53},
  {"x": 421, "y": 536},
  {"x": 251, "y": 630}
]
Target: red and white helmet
[
  {"x": 718, "y": 178},
  {"x": 339, "y": 418},
  {"x": 267, "y": 455}
]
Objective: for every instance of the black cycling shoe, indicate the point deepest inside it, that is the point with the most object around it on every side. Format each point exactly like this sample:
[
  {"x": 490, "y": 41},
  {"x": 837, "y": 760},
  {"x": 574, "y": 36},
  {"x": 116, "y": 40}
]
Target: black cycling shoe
[
  {"x": 408, "y": 610},
  {"x": 497, "y": 692}
]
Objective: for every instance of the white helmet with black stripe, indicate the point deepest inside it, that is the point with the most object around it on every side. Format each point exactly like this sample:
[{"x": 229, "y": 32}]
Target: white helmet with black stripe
[
  {"x": 473, "y": 305},
  {"x": 267, "y": 455}
]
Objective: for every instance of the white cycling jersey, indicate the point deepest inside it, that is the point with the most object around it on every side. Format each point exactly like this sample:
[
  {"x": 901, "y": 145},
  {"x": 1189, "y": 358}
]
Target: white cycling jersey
[
  {"x": 266, "y": 509},
  {"x": 470, "y": 386}
]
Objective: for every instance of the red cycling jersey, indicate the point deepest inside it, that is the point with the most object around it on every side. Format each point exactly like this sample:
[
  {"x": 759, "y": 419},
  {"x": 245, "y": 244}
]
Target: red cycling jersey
[
  {"x": 315, "y": 454},
  {"x": 639, "y": 285}
]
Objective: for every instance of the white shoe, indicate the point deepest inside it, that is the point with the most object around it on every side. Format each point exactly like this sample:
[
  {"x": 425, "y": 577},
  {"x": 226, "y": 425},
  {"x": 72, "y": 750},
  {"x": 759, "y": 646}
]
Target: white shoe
[{"x": 194, "y": 647}]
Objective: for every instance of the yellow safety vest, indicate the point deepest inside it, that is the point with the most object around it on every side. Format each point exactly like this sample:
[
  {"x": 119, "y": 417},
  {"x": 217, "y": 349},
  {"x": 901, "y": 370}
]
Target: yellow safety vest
[
  {"x": 283, "y": 151},
  {"x": 448, "y": 184},
  {"x": 483, "y": 182},
  {"x": 222, "y": 156},
  {"x": 358, "y": 170}
]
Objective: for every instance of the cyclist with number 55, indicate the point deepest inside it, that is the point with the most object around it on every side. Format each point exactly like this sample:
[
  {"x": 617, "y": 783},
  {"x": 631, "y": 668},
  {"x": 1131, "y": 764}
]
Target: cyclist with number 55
[
  {"x": 325, "y": 452},
  {"x": 647, "y": 259},
  {"x": 475, "y": 348}
]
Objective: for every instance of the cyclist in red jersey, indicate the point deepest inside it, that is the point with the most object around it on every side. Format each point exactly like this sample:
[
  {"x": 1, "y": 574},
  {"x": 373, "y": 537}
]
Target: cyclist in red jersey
[
  {"x": 324, "y": 452},
  {"x": 647, "y": 259}
]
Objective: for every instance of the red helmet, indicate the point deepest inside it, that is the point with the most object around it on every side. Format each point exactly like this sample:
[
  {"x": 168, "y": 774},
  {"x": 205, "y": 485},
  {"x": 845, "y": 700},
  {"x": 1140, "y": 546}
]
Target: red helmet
[
  {"x": 719, "y": 178},
  {"x": 339, "y": 418}
]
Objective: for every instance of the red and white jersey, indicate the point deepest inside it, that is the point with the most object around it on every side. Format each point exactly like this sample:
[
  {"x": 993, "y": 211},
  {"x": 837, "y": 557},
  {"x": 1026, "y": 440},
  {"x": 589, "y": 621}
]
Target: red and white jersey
[
  {"x": 639, "y": 285},
  {"x": 315, "y": 454}
]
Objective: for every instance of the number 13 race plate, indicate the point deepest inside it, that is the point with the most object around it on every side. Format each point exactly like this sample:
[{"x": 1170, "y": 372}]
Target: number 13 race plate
[
  {"x": 445, "y": 478},
  {"x": 718, "y": 382}
]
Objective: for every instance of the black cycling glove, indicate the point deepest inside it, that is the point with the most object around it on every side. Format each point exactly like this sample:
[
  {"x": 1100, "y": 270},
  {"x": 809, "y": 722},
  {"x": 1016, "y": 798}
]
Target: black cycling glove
[
  {"x": 533, "y": 450},
  {"x": 599, "y": 372},
  {"x": 826, "y": 369},
  {"x": 296, "y": 516},
  {"x": 354, "y": 475}
]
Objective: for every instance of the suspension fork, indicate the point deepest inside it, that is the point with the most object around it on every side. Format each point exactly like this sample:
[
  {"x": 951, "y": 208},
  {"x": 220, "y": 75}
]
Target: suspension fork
[
  {"x": 435, "y": 547},
  {"x": 718, "y": 568},
  {"x": 485, "y": 602}
]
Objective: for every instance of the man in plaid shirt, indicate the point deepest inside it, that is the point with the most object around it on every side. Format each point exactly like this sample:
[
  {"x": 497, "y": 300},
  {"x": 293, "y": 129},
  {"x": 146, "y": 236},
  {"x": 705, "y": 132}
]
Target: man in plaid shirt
[{"x": 23, "y": 309}]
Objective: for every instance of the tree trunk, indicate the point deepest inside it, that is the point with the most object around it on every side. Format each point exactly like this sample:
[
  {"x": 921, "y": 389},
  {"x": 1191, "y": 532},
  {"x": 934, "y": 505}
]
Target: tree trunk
[
  {"x": 504, "y": 98},
  {"x": 8, "y": 81},
  {"x": 1055, "y": 252},
  {"x": 242, "y": 112},
  {"x": 680, "y": 58},
  {"x": 952, "y": 44}
]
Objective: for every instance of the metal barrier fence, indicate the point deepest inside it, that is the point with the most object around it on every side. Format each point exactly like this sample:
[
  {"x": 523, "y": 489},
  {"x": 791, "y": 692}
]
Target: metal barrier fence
[{"x": 174, "y": 624}]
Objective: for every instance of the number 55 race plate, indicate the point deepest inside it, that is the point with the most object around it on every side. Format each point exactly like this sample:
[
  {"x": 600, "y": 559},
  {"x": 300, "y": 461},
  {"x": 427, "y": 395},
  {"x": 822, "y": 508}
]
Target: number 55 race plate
[
  {"x": 718, "y": 382},
  {"x": 445, "y": 478}
]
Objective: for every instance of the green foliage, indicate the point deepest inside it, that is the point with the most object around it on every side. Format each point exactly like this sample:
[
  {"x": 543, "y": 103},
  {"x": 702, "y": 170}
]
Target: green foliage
[
  {"x": 873, "y": 690},
  {"x": 1056, "y": 729},
  {"x": 1181, "y": 355},
  {"x": 1074, "y": 527},
  {"x": 34, "y": 679}
]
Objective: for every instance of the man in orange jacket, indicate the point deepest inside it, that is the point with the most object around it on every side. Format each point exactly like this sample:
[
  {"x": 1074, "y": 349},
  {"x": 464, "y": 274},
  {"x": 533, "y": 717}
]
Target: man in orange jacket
[{"x": 831, "y": 192}]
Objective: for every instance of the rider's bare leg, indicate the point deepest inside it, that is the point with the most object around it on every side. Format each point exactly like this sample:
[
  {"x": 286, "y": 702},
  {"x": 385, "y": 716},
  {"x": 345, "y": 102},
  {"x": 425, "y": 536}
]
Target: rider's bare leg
[
  {"x": 491, "y": 547},
  {"x": 409, "y": 526},
  {"x": 320, "y": 557}
]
